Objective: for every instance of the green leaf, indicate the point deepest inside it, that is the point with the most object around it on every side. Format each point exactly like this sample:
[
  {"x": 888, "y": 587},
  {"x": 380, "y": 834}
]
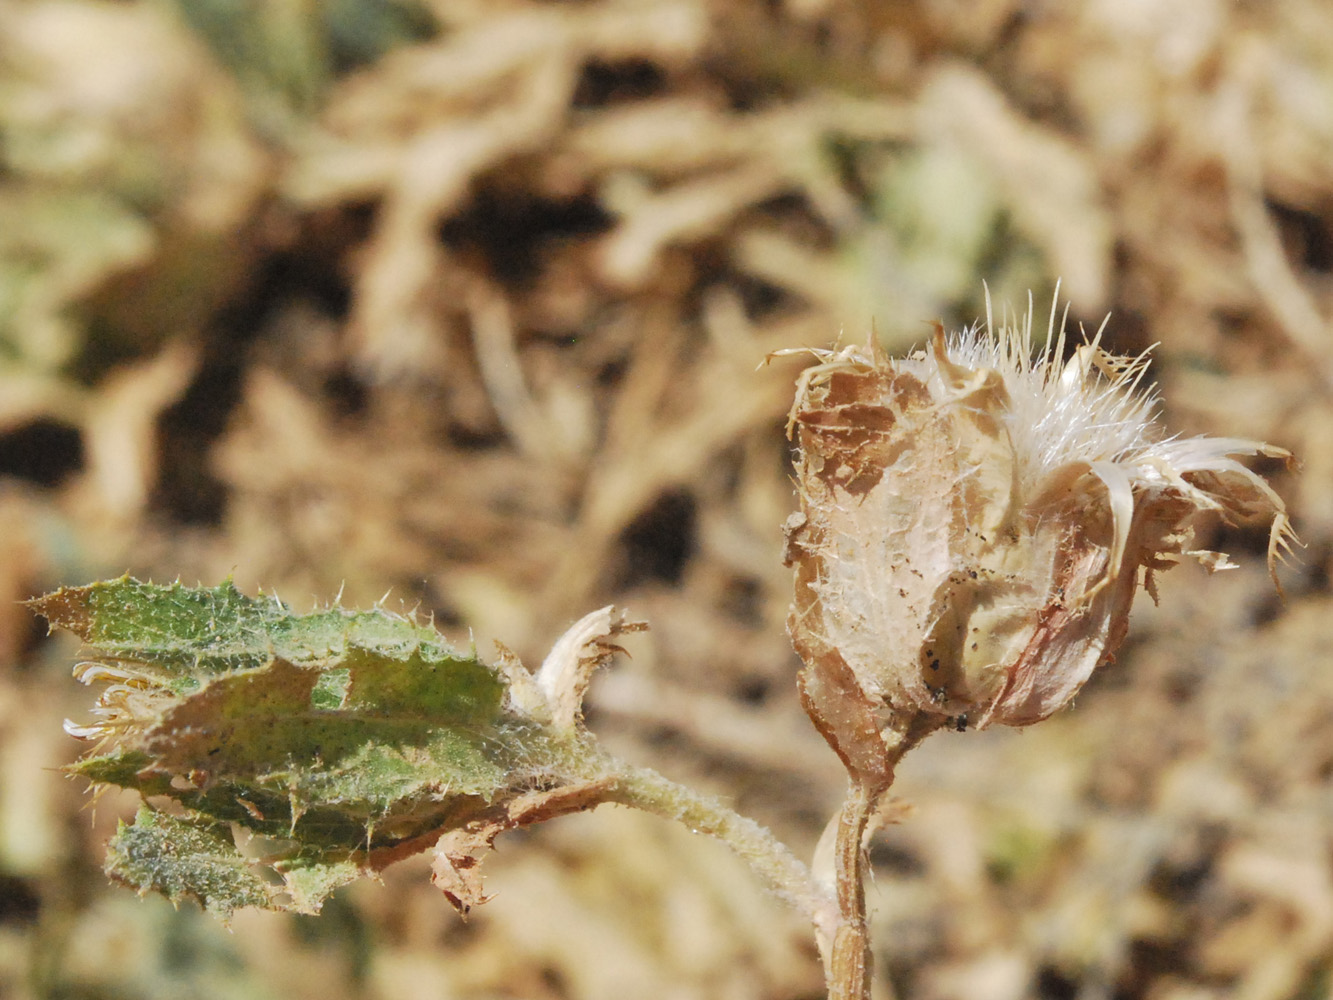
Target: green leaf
[
  {"x": 195, "y": 633},
  {"x": 180, "y": 860},
  {"x": 339, "y": 740},
  {"x": 309, "y": 881}
]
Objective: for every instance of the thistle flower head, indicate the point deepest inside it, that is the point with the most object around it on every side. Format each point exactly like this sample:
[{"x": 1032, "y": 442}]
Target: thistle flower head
[{"x": 974, "y": 518}]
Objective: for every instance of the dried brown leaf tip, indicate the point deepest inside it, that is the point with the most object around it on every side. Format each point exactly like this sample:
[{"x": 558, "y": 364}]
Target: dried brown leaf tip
[{"x": 974, "y": 519}]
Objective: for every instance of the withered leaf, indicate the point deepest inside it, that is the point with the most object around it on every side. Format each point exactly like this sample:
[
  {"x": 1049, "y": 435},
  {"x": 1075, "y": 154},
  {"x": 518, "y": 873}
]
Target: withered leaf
[{"x": 459, "y": 850}]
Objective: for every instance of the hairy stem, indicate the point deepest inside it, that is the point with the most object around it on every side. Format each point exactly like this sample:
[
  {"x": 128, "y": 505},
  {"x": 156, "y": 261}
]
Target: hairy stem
[{"x": 767, "y": 856}]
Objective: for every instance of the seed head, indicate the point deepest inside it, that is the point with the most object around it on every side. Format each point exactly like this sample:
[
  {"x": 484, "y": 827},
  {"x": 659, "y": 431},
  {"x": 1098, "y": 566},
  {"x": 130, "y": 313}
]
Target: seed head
[{"x": 974, "y": 517}]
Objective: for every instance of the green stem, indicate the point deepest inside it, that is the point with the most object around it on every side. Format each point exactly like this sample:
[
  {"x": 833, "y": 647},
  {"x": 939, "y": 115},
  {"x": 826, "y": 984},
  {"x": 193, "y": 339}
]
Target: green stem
[{"x": 767, "y": 856}]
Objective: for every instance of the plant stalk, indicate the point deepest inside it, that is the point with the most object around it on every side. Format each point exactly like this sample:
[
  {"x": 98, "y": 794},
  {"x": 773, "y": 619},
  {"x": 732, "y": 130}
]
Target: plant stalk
[
  {"x": 770, "y": 859},
  {"x": 850, "y": 961}
]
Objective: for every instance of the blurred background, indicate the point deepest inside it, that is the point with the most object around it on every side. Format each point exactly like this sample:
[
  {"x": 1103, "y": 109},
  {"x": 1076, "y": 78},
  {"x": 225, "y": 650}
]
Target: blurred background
[{"x": 463, "y": 301}]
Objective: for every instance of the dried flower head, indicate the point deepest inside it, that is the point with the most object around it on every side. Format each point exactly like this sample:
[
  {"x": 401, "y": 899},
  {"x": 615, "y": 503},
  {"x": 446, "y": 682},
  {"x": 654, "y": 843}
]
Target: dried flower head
[{"x": 974, "y": 518}]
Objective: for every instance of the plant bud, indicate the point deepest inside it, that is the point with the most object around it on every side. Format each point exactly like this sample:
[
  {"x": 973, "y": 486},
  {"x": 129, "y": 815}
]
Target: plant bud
[{"x": 974, "y": 519}]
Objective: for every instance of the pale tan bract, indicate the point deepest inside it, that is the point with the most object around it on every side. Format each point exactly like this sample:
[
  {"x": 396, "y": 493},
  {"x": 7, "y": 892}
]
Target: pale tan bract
[{"x": 974, "y": 519}]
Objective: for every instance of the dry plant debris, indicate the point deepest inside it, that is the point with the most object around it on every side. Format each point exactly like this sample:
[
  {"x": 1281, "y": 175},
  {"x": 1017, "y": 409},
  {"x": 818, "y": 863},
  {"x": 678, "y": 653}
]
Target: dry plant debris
[{"x": 463, "y": 301}]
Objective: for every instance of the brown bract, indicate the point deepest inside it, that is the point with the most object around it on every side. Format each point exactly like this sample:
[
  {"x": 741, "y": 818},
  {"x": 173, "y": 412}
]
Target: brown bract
[
  {"x": 973, "y": 521},
  {"x": 458, "y": 852}
]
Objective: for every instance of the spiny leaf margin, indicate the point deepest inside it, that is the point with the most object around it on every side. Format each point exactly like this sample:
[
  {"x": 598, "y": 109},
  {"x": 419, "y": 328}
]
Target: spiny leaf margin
[{"x": 339, "y": 741}]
